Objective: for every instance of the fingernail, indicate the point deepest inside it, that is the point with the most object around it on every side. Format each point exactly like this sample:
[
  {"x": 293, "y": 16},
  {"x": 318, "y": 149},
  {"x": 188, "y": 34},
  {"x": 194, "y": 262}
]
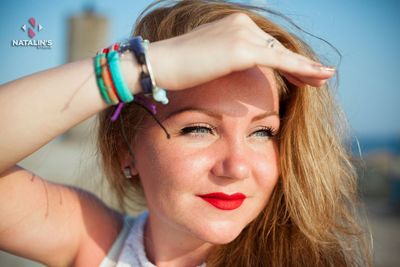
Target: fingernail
[{"x": 324, "y": 68}]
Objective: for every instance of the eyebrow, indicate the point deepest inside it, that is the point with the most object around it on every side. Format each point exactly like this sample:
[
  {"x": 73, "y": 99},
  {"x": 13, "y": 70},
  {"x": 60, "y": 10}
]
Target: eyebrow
[{"x": 217, "y": 115}]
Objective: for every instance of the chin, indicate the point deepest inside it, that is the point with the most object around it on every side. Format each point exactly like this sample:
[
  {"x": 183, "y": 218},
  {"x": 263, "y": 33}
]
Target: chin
[{"x": 219, "y": 233}]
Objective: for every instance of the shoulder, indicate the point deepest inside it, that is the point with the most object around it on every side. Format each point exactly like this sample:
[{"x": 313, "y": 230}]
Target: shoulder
[
  {"x": 128, "y": 247},
  {"x": 112, "y": 257},
  {"x": 101, "y": 227}
]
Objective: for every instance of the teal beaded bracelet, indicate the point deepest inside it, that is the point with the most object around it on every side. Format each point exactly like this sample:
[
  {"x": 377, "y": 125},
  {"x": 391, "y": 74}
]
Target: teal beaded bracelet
[{"x": 122, "y": 88}]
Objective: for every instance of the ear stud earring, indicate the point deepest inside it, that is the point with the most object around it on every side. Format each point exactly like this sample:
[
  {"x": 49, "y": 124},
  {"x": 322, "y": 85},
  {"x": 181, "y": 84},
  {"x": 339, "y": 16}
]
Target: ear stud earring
[{"x": 127, "y": 172}]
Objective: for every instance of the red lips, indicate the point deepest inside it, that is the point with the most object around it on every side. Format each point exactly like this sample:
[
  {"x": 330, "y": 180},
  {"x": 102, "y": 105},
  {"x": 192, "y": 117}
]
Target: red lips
[{"x": 223, "y": 201}]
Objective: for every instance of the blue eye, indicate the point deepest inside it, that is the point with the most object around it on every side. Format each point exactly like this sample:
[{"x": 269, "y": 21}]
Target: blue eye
[
  {"x": 203, "y": 130},
  {"x": 196, "y": 130},
  {"x": 265, "y": 132}
]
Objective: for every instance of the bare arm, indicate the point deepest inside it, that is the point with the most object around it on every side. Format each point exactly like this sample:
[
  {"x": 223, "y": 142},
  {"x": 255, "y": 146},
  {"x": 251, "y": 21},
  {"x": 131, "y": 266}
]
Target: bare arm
[
  {"x": 53, "y": 224},
  {"x": 43, "y": 221},
  {"x": 37, "y": 108}
]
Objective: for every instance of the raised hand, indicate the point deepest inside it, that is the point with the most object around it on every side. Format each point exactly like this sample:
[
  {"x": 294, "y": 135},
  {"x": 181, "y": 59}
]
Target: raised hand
[{"x": 230, "y": 44}]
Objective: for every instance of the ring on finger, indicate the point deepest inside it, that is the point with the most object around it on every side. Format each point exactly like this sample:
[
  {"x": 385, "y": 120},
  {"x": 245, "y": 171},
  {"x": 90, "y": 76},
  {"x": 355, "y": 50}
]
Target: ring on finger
[{"x": 271, "y": 42}]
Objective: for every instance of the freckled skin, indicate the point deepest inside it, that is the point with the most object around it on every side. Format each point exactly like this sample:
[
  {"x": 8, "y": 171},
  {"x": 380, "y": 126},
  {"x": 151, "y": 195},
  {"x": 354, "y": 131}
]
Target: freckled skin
[{"x": 231, "y": 159}]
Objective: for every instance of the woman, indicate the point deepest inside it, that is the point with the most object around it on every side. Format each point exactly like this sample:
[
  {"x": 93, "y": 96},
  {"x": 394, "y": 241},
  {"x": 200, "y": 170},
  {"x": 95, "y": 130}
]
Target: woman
[{"x": 247, "y": 168}]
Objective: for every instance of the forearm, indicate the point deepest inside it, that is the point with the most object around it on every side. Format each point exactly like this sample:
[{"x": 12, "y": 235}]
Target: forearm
[{"x": 37, "y": 108}]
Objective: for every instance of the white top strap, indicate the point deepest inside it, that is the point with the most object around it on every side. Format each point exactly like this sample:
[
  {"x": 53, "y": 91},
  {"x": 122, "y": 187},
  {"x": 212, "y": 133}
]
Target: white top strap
[{"x": 128, "y": 249}]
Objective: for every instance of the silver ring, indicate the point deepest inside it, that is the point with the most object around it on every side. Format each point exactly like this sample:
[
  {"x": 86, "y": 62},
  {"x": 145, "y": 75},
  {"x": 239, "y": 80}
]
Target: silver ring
[{"x": 271, "y": 43}]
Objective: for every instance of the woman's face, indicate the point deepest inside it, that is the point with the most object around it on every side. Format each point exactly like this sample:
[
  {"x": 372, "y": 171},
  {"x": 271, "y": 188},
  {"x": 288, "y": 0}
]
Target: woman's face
[{"x": 220, "y": 143}]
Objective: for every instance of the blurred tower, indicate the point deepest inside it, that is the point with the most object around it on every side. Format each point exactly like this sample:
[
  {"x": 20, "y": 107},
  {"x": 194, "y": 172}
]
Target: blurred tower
[{"x": 88, "y": 33}]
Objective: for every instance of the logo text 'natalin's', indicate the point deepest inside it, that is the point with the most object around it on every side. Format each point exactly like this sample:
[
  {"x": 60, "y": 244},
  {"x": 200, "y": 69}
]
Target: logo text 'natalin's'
[{"x": 32, "y": 30}]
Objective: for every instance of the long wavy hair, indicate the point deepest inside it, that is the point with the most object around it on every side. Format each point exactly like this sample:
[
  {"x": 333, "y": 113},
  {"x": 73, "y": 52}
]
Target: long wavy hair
[{"x": 312, "y": 217}]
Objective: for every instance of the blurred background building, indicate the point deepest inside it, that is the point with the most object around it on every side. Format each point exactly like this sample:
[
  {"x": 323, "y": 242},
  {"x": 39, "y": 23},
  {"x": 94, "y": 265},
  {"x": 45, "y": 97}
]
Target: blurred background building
[{"x": 363, "y": 31}]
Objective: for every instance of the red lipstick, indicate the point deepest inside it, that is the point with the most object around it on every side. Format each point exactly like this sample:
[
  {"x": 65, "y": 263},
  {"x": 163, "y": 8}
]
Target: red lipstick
[{"x": 223, "y": 201}]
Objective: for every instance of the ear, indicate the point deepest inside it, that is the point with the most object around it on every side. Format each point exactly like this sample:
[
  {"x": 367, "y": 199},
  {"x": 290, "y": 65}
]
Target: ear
[{"x": 128, "y": 162}]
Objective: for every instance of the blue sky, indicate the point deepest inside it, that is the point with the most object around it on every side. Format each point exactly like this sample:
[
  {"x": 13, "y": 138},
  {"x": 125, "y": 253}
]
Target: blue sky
[{"x": 365, "y": 32}]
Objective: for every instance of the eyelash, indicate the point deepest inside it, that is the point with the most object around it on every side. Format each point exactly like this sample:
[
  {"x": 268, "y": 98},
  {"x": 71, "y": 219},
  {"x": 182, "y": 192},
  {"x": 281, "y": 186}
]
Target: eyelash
[{"x": 194, "y": 130}]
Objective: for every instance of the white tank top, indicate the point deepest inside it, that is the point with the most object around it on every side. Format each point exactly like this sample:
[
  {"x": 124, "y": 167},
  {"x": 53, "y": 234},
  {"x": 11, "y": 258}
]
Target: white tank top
[{"x": 128, "y": 249}]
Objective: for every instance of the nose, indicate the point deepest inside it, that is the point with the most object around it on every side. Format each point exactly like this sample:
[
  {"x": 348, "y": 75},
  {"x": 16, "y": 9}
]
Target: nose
[{"x": 232, "y": 161}]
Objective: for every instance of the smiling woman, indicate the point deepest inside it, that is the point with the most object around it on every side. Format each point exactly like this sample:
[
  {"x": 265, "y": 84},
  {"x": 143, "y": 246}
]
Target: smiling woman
[{"x": 247, "y": 169}]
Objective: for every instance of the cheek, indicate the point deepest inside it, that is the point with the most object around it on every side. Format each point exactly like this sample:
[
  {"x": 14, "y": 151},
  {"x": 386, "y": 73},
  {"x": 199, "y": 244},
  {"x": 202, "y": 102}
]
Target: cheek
[
  {"x": 267, "y": 171},
  {"x": 168, "y": 165},
  {"x": 171, "y": 176}
]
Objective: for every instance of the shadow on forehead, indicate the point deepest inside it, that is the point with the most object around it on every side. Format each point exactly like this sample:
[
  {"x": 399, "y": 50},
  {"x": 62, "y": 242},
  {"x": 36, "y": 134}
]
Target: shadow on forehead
[{"x": 230, "y": 95}]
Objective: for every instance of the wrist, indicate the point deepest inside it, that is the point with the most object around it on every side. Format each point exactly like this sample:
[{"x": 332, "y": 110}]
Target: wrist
[{"x": 131, "y": 69}]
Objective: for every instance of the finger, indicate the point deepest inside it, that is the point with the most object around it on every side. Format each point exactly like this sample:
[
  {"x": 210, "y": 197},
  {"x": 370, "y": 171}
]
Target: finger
[
  {"x": 263, "y": 37},
  {"x": 291, "y": 63},
  {"x": 258, "y": 37},
  {"x": 240, "y": 21},
  {"x": 302, "y": 81},
  {"x": 318, "y": 70},
  {"x": 293, "y": 80},
  {"x": 272, "y": 43}
]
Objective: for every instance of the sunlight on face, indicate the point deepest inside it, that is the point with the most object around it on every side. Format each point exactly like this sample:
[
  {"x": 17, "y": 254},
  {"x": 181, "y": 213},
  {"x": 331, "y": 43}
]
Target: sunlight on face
[{"x": 221, "y": 142}]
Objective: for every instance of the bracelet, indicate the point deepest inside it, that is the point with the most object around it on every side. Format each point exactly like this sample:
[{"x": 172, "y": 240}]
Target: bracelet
[
  {"x": 135, "y": 46},
  {"x": 120, "y": 84},
  {"x": 139, "y": 47},
  {"x": 113, "y": 88},
  {"x": 107, "y": 80},
  {"x": 159, "y": 94},
  {"x": 99, "y": 80}
]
